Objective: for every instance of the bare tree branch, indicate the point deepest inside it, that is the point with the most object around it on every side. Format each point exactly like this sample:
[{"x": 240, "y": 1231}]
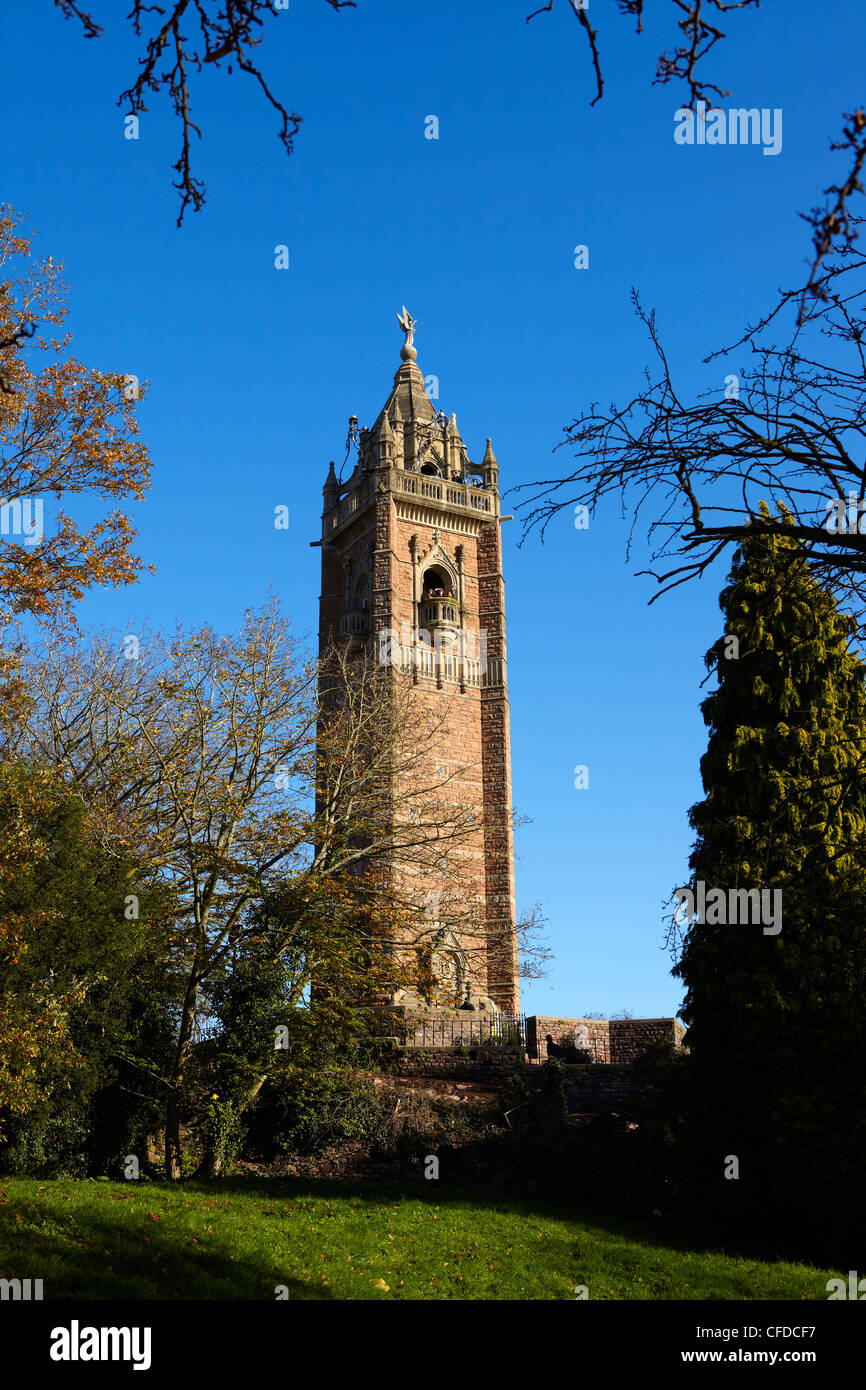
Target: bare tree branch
[
  {"x": 700, "y": 36},
  {"x": 70, "y": 10},
  {"x": 829, "y": 223},
  {"x": 227, "y": 29},
  {"x": 679, "y": 63},
  {"x": 788, "y": 429},
  {"x": 591, "y": 34}
]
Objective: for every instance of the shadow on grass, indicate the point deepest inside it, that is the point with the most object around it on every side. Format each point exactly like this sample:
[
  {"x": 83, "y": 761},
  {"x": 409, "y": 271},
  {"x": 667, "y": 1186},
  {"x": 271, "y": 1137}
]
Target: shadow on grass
[
  {"x": 663, "y": 1232},
  {"x": 92, "y": 1256},
  {"x": 82, "y": 1250}
]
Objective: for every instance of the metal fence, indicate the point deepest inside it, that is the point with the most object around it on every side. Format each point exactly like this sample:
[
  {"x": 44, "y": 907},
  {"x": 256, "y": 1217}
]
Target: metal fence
[{"x": 458, "y": 1029}]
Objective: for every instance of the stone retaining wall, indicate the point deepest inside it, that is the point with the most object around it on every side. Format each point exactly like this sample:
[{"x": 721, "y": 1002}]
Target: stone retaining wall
[
  {"x": 608, "y": 1040},
  {"x": 591, "y": 1033},
  {"x": 601, "y": 1088},
  {"x": 478, "y": 1062},
  {"x": 588, "y": 1087}
]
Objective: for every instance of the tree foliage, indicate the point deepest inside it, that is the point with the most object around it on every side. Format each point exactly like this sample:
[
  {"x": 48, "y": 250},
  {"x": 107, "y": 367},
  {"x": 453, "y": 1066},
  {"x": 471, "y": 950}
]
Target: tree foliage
[
  {"x": 272, "y": 817},
  {"x": 66, "y": 430},
  {"x": 777, "y": 1020},
  {"x": 83, "y": 1004}
]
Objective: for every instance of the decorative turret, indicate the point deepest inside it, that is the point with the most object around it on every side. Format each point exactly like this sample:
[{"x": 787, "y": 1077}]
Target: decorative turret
[
  {"x": 489, "y": 467},
  {"x": 397, "y": 417},
  {"x": 331, "y": 490},
  {"x": 386, "y": 442},
  {"x": 455, "y": 452},
  {"x": 410, "y": 435},
  {"x": 408, "y": 406},
  {"x": 365, "y": 450}
]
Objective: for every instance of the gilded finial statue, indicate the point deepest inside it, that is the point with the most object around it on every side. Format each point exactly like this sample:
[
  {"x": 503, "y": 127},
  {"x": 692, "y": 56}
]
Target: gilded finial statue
[{"x": 408, "y": 351}]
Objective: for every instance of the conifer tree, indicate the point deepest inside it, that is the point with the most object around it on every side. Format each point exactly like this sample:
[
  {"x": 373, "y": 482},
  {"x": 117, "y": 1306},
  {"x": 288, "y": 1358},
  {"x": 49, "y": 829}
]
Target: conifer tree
[
  {"x": 776, "y": 1011},
  {"x": 86, "y": 1010}
]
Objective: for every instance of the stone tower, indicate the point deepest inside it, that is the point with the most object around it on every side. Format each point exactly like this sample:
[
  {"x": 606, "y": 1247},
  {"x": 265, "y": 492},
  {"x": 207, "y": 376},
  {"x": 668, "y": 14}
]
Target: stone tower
[{"x": 412, "y": 569}]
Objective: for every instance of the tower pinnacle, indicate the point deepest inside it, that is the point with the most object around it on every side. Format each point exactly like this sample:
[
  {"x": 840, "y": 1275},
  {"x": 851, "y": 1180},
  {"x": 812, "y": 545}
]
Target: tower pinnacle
[{"x": 408, "y": 351}]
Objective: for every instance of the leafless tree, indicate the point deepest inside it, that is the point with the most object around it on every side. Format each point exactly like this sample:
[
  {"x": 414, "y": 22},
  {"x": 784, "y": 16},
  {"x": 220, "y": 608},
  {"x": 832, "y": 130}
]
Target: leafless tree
[
  {"x": 182, "y": 37},
  {"x": 833, "y": 223},
  {"x": 787, "y": 428}
]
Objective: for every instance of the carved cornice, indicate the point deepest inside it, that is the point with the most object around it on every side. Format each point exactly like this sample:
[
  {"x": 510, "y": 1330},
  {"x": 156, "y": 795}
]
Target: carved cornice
[{"x": 423, "y": 515}]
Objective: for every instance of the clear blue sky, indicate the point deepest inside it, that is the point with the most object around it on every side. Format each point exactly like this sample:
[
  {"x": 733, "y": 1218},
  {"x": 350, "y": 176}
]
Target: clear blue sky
[{"x": 253, "y": 371}]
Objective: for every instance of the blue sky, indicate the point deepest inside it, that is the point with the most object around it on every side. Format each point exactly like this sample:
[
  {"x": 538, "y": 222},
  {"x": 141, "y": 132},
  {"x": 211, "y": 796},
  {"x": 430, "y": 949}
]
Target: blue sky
[{"x": 254, "y": 371}]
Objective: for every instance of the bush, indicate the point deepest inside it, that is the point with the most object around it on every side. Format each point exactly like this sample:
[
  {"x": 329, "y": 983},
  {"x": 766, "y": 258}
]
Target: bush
[
  {"x": 73, "y": 1134},
  {"x": 573, "y": 1055},
  {"x": 418, "y": 1123},
  {"x": 313, "y": 1111},
  {"x": 45, "y": 1144}
]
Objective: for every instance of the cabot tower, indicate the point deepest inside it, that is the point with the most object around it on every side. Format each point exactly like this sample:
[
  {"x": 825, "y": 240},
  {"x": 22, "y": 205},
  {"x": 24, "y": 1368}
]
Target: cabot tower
[{"x": 412, "y": 568}]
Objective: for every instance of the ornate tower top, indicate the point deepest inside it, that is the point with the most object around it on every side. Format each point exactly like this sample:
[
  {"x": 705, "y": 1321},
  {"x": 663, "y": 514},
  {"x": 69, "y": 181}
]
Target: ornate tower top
[
  {"x": 408, "y": 402},
  {"x": 409, "y": 435}
]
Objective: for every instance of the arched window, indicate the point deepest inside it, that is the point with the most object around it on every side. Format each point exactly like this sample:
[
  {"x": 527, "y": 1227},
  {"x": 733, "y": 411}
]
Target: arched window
[
  {"x": 362, "y": 592},
  {"x": 431, "y": 468},
  {"x": 436, "y": 583}
]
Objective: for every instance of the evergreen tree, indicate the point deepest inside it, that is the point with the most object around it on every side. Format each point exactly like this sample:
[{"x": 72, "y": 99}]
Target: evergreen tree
[
  {"x": 776, "y": 1016},
  {"x": 86, "y": 1013}
]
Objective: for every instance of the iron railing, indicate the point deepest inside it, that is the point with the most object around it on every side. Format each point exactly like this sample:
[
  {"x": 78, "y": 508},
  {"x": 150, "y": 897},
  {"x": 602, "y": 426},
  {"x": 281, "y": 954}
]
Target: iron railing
[{"x": 459, "y": 1029}]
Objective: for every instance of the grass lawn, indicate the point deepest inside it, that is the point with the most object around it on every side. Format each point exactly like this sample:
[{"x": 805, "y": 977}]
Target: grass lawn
[{"x": 240, "y": 1239}]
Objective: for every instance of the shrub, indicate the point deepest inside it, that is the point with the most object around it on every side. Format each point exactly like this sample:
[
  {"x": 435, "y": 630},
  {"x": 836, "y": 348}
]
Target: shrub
[{"x": 309, "y": 1112}]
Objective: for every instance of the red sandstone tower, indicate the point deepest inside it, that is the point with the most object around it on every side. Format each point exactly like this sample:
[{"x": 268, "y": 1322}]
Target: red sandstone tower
[{"x": 412, "y": 569}]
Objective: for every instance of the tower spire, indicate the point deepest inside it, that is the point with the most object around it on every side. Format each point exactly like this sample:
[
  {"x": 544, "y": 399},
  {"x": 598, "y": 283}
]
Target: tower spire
[{"x": 408, "y": 404}]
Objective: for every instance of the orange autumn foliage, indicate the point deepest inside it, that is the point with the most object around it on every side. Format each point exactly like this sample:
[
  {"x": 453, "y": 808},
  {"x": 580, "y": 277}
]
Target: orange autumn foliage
[{"x": 65, "y": 430}]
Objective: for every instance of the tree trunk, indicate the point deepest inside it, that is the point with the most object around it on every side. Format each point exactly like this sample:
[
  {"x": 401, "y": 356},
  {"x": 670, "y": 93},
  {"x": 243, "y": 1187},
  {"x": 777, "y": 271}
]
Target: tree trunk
[
  {"x": 173, "y": 1169},
  {"x": 173, "y": 1155}
]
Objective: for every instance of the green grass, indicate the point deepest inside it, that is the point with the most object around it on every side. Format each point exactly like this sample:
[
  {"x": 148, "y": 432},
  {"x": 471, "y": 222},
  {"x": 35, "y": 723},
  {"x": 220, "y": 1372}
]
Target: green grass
[{"x": 236, "y": 1239}]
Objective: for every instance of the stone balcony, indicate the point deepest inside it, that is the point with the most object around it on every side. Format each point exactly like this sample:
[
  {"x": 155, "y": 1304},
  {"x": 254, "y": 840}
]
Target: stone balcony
[
  {"x": 452, "y": 494},
  {"x": 439, "y": 494},
  {"x": 441, "y": 612},
  {"x": 355, "y": 622},
  {"x": 450, "y": 667}
]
